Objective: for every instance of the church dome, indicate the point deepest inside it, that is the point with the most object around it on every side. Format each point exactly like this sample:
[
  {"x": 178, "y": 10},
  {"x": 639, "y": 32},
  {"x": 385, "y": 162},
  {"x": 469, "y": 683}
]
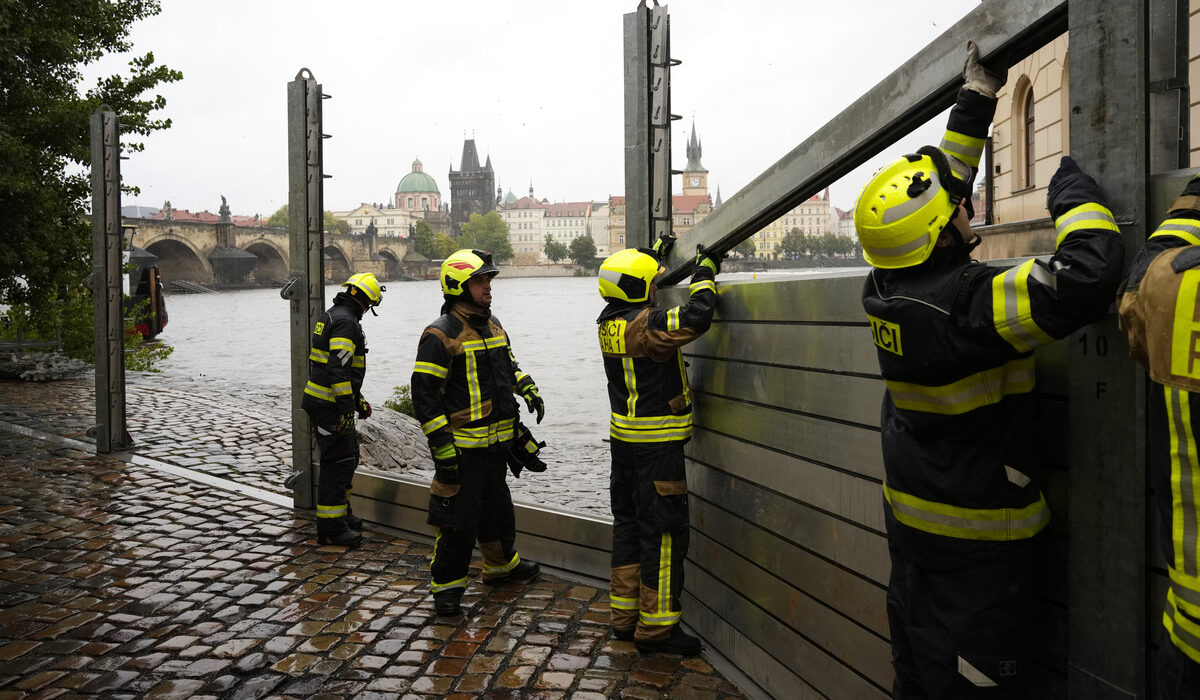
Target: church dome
[{"x": 417, "y": 181}]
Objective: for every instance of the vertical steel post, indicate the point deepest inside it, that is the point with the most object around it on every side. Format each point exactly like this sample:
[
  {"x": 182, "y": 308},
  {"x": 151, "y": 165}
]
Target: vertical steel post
[
  {"x": 1106, "y": 578},
  {"x": 107, "y": 296},
  {"x": 648, "y": 118},
  {"x": 306, "y": 289}
]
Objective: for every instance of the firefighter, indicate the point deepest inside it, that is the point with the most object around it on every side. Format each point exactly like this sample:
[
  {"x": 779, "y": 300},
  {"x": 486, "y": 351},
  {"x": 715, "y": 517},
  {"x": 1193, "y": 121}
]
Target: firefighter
[
  {"x": 651, "y": 420},
  {"x": 337, "y": 362},
  {"x": 463, "y": 387},
  {"x": 955, "y": 342},
  {"x": 1160, "y": 315}
]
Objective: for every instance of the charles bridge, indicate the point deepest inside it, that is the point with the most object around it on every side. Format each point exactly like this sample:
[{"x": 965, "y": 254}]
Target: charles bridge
[{"x": 223, "y": 254}]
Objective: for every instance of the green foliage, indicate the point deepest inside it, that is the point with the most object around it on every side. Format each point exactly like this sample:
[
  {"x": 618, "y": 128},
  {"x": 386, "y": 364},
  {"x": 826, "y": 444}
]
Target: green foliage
[
  {"x": 401, "y": 401},
  {"x": 582, "y": 250},
  {"x": 328, "y": 221},
  {"x": 444, "y": 246},
  {"x": 423, "y": 239},
  {"x": 280, "y": 218},
  {"x": 554, "y": 250},
  {"x": 45, "y": 149},
  {"x": 488, "y": 232},
  {"x": 795, "y": 243},
  {"x": 746, "y": 248}
]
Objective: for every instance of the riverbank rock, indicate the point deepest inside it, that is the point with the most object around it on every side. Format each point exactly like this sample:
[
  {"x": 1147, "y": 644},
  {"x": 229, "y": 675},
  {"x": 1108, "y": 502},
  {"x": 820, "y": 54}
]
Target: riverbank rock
[
  {"x": 40, "y": 366},
  {"x": 393, "y": 442}
]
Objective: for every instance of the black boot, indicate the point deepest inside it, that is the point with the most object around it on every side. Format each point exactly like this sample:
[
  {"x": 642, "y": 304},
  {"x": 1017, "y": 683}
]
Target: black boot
[
  {"x": 354, "y": 522},
  {"x": 520, "y": 572},
  {"x": 445, "y": 603},
  {"x": 678, "y": 642},
  {"x": 336, "y": 532}
]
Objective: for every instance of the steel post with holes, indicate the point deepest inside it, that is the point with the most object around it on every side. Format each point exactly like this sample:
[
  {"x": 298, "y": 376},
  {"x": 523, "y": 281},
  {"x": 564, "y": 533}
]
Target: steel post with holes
[
  {"x": 648, "y": 211},
  {"x": 107, "y": 291},
  {"x": 1106, "y": 580},
  {"x": 305, "y": 290}
]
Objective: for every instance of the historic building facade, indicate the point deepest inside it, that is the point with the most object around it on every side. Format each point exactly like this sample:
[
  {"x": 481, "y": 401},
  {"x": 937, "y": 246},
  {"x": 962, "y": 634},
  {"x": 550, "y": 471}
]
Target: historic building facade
[{"x": 472, "y": 187}]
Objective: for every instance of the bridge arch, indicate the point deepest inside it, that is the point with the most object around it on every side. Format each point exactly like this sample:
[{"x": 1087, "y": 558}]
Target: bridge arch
[
  {"x": 337, "y": 264},
  {"x": 272, "y": 262},
  {"x": 392, "y": 267},
  {"x": 178, "y": 260}
]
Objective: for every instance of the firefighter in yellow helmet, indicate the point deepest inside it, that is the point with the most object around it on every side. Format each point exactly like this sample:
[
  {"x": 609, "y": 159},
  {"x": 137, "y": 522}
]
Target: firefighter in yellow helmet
[
  {"x": 464, "y": 385},
  {"x": 955, "y": 342},
  {"x": 337, "y": 363},
  {"x": 1159, "y": 313},
  {"x": 651, "y": 421}
]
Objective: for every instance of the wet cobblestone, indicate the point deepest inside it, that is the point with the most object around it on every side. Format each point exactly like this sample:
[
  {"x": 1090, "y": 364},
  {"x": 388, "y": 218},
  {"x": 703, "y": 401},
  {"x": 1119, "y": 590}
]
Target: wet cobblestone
[{"x": 120, "y": 581}]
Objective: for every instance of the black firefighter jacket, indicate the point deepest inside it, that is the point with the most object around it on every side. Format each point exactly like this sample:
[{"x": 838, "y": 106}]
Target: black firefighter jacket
[
  {"x": 463, "y": 382},
  {"x": 955, "y": 342},
  {"x": 648, "y": 388},
  {"x": 337, "y": 359}
]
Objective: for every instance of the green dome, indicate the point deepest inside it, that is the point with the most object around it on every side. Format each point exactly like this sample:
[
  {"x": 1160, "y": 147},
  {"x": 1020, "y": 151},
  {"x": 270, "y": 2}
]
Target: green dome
[{"x": 417, "y": 182}]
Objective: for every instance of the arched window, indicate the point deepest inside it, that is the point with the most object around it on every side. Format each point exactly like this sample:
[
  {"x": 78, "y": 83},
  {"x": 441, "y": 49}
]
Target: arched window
[{"x": 1030, "y": 130}]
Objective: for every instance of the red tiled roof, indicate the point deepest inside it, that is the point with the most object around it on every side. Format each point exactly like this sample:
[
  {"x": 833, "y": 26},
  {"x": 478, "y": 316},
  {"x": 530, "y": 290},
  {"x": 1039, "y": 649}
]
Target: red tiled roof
[
  {"x": 689, "y": 202},
  {"x": 526, "y": 203},
  {"x": 569, "y": 209}
]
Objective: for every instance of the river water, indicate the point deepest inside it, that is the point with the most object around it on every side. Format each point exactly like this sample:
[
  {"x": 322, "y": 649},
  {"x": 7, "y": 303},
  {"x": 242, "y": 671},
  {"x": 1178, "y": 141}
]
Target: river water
[{"x": 242, "y": 336}]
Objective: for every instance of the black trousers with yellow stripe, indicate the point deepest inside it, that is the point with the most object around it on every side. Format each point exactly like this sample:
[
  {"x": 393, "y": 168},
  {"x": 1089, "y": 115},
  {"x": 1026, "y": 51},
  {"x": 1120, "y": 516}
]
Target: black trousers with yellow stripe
[
  {"x": 482, "y": 509},
  {"x": 648, "y": 494},
  {"x": 339, "y": 460}
]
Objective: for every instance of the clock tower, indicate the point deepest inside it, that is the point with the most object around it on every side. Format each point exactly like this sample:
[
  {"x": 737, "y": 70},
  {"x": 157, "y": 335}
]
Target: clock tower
[{"x": 695, "y": 177}]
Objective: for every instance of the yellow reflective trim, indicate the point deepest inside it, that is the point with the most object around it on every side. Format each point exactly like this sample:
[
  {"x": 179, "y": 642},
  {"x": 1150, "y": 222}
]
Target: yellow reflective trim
[
  {"x": 1180, "y": 228},
  {"x": 974, "y": 391},
  {"x": 1012, "y": 311},
  {"x": 664, "y": 574},
  {"x": 661, "y": 435},
  {"x": 630, "y": 385},
  {"x": 331, "y": 511},
  {"x": 619, "y": 603},
  {"x": 1185, "y": 482},
  {"x": 659, "y": 619},
  {"x": 359, "y": 361},
  {"x": 342, "y": 389},
  {"x": 673, "y": 319},
  {"x": 492, "y": 343},
  {"x": 1187, "y": 591},
  {"x": 486, "y": 435},
  {"x": 1185, "y": 329},
  {"x": 1084, "y": 216},
  {"x": 503, "y": 569},
  {"x": 701, "y": 286},
  {"x": 1185, "y": 634},
  {"x": 318, "y": 391},
  {"x": 435, "y": 587},
  {"x": 474, "y": 393},
  {"x": 318, "y": 355},
  {"x": 991, "y": 524},
  {"x": 430, "y": 368},
  {"x": 650, "y": 422},
  {"x": 683, "y": 380},
  {"x": 968, "y": 149},
  {"x": 341, "y": 344},
  {"x": 432, "y": 425}
]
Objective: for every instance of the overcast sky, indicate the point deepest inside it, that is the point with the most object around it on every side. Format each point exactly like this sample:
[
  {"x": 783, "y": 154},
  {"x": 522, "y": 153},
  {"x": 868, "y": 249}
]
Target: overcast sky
[{"x": 538, "y": 84}]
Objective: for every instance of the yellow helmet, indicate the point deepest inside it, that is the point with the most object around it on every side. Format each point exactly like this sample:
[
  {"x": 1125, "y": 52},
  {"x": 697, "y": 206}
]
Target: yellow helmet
[
  {"x": 903, "y": 209},
  {"x": 461, "y": 266},
  {"x": 627, "y": 274},
  {"x": 366, "y": 283}
]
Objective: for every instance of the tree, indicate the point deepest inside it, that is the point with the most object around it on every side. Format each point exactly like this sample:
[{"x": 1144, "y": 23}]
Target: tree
[
  {"x": 45, "y": 150},
  {"x": 423, "y": 240},
  {"x": 444, "y": 246},
  {"x": 582, "y": 250},
  {"x": 280, "y": 218},
  {"x": 746, "y": 248},
  {"x": 793, "y": 244},
  {"x": 554, "y": 250},
  {"x": 329, "y": 222},
  {"x": 488, "y": 232}
]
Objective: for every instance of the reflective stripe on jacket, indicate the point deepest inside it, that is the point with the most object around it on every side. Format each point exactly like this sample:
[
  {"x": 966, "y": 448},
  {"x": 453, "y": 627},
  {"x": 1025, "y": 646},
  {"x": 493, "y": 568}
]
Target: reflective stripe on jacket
[
  {"x": 337, "y": 358},
  {"x": 955, "y": 339},
  {"x": 464, "y": 379},
  {"x": 648, "y": 391}
]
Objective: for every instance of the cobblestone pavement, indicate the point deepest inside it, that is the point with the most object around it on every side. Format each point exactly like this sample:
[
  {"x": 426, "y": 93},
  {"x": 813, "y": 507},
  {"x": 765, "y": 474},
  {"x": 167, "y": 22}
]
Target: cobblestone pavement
[
  {"x": 225, "y": 431},
  {"x": 119, "y": 580}
]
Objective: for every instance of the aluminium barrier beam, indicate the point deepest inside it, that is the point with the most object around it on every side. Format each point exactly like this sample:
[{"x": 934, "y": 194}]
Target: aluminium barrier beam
[{"x": 1005, "y": 31}]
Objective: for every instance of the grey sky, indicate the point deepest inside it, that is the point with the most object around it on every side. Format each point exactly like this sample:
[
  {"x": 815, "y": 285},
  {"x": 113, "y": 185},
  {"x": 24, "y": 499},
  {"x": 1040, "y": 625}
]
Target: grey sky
[{"x": 539, "y": 84}]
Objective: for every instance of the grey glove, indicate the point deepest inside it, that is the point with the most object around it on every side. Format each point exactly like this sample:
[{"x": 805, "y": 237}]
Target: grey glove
[{"x": 977, "y": 78}]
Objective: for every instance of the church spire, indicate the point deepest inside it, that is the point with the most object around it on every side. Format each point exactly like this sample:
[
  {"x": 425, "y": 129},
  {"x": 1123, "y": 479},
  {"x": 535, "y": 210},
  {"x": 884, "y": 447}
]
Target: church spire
[{"x": 693, "y": 152}]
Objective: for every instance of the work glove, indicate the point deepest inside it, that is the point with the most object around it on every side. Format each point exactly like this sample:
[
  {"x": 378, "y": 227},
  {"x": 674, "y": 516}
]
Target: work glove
[
  {"x": 345, "y": 424},
  {"x": 523, "y": 452},
  {"x": 533, "y": 401},
  {"x": 977, "y": 78},
  {"x": 364, "y": 408},
  {"x": 1070, "y": 187},
  {"x": 445, "y": 463},
  {"x": 705, "y": 261},
  {"x": 664, "y": 244}
]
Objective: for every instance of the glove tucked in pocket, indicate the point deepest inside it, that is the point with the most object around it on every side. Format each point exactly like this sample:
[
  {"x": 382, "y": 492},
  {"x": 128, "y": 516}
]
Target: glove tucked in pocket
[{"x": 443, "y": 502}]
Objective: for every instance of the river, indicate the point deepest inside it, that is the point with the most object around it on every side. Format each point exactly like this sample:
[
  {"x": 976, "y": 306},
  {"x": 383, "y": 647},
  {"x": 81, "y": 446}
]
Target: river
[{"x": 243, "y": 336}]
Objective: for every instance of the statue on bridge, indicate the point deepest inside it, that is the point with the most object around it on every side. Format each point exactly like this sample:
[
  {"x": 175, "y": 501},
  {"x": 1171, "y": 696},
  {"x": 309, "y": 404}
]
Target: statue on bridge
[{"x": 224, "y": 211}]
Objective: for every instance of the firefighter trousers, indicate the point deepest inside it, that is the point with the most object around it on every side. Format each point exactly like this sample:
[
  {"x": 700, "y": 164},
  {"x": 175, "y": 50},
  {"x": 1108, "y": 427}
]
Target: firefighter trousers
[
  {"x": 339, "y": 460},
  {"x": 648, "y": 494},
  {"x": 1178, "y": 675},
  {"x": 482, "y": 509},
  {"x": 961, "y": 619}
]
